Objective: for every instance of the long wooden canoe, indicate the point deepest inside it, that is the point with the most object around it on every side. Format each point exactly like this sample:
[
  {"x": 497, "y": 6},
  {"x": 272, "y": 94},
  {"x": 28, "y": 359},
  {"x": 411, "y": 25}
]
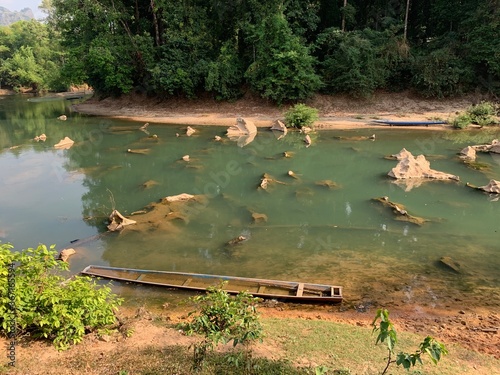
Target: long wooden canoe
[
  {"x": 264, "y": 288},
  {"x": 409, "y": 123}
]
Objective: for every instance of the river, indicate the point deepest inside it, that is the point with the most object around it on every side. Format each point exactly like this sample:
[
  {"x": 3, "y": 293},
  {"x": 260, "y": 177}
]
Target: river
[{"x": 310, "y": 232}]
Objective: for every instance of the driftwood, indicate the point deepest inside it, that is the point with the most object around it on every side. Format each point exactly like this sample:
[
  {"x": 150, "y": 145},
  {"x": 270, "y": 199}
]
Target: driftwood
[{"x": 400, "y": 211}]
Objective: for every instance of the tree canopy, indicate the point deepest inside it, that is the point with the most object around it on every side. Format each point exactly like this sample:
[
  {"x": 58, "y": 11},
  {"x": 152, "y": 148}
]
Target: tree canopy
[{"x": 284, "y": 50}]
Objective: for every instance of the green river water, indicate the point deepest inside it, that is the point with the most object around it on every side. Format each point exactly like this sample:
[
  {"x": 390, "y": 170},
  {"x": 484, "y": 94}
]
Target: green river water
[{"x": 336, "y": 236}]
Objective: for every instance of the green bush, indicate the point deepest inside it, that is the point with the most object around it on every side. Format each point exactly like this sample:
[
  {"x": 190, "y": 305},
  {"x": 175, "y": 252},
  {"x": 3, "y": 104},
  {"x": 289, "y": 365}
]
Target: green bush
[
  {"x": 462, "y": 121},
  {"x": 300, "y": 115},
  {"x": 47, "y": 306},
  {"x": 223, "y": 319},
  {"x": 482, "y": 113}
]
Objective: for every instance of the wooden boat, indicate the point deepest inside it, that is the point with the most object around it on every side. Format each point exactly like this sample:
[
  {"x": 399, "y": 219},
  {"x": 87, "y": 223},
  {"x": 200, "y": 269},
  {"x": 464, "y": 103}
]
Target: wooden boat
[
  {"x": 409, "y": 123},
  {"x": 264, "y": 288}
]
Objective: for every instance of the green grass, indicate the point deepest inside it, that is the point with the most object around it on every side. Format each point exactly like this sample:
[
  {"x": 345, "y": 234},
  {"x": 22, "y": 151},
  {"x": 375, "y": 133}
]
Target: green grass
[{"x": 340, "y": 346}]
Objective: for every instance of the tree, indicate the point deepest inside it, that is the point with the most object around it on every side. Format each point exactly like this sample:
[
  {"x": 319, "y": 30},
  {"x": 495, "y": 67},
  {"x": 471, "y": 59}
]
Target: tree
[{"x": 283, "y": 69}]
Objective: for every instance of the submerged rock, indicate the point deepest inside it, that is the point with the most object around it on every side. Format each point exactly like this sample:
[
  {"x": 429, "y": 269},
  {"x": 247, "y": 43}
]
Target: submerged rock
[
  {"x": 118, "y": 221},
  {"x": 327, "y": 183},
  {"x": 451, "y": 264},
  {"x": 307, "y": 140},
  {"x": 259, "y": 218},
  {"x": 400, "y": 211},
  {"x": 141, "y": 151}
]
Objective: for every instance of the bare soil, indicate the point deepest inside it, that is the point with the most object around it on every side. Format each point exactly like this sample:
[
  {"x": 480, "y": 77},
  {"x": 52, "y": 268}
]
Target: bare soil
[{"x": 339, "y": 112}]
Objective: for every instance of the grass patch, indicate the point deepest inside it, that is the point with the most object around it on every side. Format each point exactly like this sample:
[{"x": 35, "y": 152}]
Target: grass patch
[{"x": 339, "y": 347}]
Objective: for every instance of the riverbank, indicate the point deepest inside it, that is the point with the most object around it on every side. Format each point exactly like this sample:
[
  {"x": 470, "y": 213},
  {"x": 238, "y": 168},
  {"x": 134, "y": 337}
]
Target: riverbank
[{"x": 335, "y": 112}]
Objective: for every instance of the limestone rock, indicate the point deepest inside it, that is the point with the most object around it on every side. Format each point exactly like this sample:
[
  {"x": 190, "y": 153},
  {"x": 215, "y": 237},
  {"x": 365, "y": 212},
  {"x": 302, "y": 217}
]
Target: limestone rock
[
  {"x": 307, "y": 140},
  {"x": 450, "y": 264},
  {"x": 400, "y": 211},
  {"x": 259, "y": 218},
  {"x": 242, "y": 127},
  {"x": 493, "y": 187},
  {"x": 179, "y": 197},
  {"x": 279, "y": 126},
  {"x": 185, "y": 158},
  {"x": 66, "y": 253},
  {"x": 41, "y": 137},
  {"x": 190, "y": 131},
  {"x": 118, "y": 221},
  {"x": 494, "y": 147},
  {"x": 410, "y": 167},
  {"x": 64, "y": 144},
  {"x": 468, "y": 153},
  {"x": 62, "y": 118}
]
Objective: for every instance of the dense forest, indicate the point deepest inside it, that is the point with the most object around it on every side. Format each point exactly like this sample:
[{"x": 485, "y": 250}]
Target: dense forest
[{"x": 284, "y": 50}]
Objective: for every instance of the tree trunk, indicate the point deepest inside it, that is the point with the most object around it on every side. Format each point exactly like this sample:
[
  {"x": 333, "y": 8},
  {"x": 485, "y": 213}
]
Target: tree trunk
[
  {"x": 155, "y": 23},
  {"x": 406, "y": 20},
  {"x": 343, "y": 16}
]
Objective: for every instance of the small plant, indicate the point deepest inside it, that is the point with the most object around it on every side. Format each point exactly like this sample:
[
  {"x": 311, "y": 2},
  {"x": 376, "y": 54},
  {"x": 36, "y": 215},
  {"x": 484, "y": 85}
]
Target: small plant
[
  {"x": 223, "y": 319},
  {"x": 48, "y": 306},
  {"x": 462, "y": 121},
  {"x": 387, "y": 334},
  {"x": 300, "y": 115},
  {"x": 482, "y": 114}
]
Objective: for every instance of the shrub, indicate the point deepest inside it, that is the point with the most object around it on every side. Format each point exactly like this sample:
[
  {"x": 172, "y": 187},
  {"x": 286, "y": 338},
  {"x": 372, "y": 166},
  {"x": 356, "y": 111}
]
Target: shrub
[
  {"x": 45, "y": 304},
  {"x": 482, "y": 114},
  {"x": 300, "y": 115},
  {"x": 462, "y": 121},
  {"x": 223, "y": 319}
]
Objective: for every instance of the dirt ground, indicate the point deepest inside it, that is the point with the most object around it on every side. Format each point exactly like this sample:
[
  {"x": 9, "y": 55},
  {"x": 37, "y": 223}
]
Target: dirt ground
[
  {"x": 476, "y": 329},
  {"x": 340, "y": 112}
]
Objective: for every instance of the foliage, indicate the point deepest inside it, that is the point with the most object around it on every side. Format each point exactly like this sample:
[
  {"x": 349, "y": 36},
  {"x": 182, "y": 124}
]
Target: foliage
[
  {"x": 349, "y": 63},
  {"x": 46, "y": 305},
  {"x": 462, "y": 121},
  {"x": 440, "y": 73},
  {"x": 482, "y": 113},
  {"x": 300, "y": 115},
  {"x": 225, "y": 75},
  {"x": 31, "y": 56},
  {"x": 222, "y": 319},
  {"x": 387, "y": 334},
  {"x": 283, "y": 69}
]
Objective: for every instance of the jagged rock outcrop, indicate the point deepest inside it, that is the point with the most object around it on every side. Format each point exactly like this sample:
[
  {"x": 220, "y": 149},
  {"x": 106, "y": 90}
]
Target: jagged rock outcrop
[
  {"x": 8, "y": 17},
  {"x": 410, "y": 167},
  {"x": 493, "y": 187},
  {"x": 279, "y": 126},
  {"x": 493, "y": 147},
  {"x": 243, "y": 132},
  {"x": 468, "y": 153}
]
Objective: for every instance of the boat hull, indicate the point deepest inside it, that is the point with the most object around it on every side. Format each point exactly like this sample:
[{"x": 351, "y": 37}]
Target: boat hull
[{"x": 263, "y": 288}]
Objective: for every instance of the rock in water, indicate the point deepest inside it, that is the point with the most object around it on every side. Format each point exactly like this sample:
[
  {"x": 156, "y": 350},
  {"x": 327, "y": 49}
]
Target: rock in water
[{"x": 451, "y": 264}]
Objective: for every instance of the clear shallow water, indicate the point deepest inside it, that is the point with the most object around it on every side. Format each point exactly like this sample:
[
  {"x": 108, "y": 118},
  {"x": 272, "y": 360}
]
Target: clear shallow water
[{"x": 338, "y": 236}]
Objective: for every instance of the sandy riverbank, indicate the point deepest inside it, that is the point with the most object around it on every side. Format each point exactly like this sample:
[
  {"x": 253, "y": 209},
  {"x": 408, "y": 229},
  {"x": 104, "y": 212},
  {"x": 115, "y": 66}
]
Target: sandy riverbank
[{"x": 336, "y": 112}]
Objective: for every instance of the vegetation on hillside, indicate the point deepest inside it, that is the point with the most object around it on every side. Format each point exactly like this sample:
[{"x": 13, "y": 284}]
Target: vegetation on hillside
[{"x": 284, "y": 50}]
